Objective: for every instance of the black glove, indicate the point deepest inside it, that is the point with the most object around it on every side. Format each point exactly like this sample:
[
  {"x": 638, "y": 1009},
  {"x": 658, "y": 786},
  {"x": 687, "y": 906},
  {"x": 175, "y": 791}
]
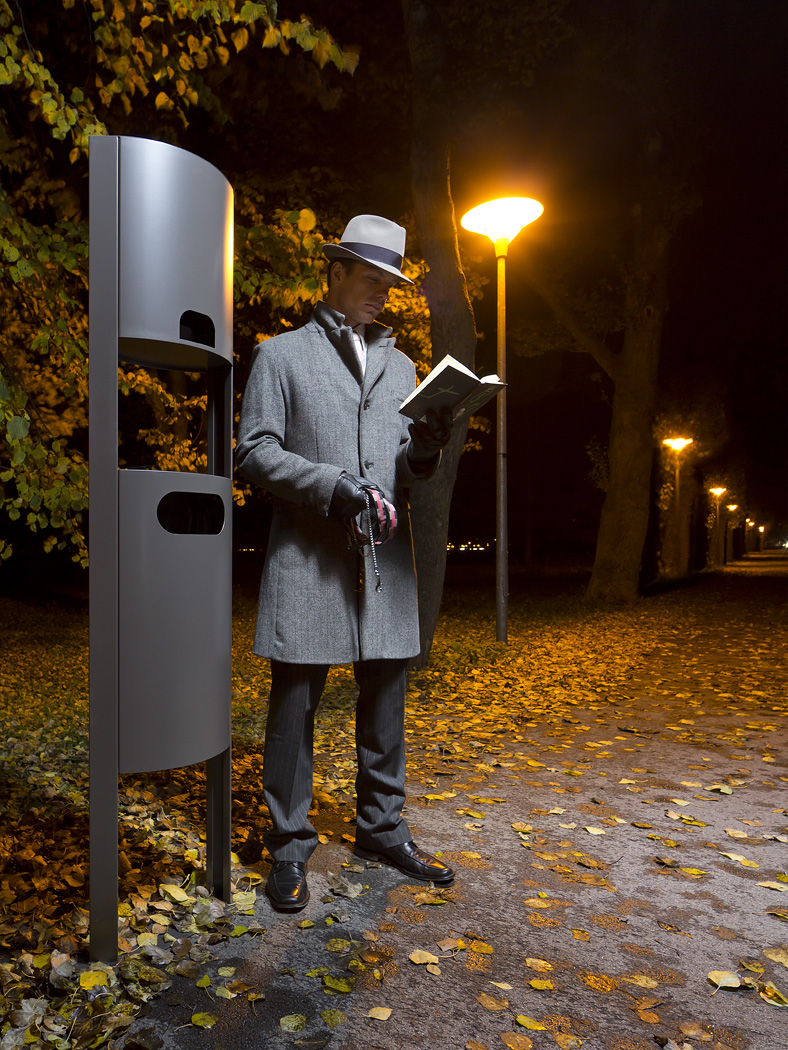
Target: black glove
[
  {"x": 348, "y": 498},
  {"x": 383, "y": 517},
  {"x": 430, "y": 434}
]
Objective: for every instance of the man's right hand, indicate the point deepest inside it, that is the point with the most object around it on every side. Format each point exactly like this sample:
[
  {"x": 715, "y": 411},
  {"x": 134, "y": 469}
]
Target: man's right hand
[{"x": 348, "y": 498}]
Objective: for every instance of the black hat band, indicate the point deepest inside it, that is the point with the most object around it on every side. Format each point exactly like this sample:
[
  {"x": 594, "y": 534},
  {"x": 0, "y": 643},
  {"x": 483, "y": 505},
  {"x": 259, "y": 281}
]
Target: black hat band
[{"x": 373, "y": 253}]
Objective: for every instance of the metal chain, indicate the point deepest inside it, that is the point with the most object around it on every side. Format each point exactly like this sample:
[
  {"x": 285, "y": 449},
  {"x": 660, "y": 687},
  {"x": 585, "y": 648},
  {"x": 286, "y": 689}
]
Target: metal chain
[{"x": 368, "y": 501}]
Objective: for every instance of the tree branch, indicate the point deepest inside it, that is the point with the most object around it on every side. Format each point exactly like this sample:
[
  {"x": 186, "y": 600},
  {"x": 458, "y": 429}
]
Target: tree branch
[{"x": 586, "y": 341}]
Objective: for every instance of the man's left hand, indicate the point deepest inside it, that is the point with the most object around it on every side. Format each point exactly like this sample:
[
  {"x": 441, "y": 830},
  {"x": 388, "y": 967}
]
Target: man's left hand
[{"x": 430, "y": 434}]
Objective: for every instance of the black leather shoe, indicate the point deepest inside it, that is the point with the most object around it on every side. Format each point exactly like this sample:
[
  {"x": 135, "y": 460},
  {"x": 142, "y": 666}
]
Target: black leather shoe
[
  {"x": 411, "y": 861},
  {"x": 286, "y": 888}
]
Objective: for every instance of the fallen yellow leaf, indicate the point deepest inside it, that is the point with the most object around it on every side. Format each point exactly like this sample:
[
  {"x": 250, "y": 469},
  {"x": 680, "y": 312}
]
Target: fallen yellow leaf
[
  {"x": 179, "y": 896},
  {"x": 738, "y": 857},
  {"x": 515, "y": 1041},
  {"x": 640, "y": 980},
  {"x": 489, "y": 1002},
  {"x": 771, "y": 994},
  {"x": 779, "y": 955},
  {"x": 203, "y": 1020},
  {"x": 93, "y": 979},
  {"x": 481, "y": 948},
  {"x": 724, "y": 979},
  {"x": 530, "y": 1023},
  {"x": 567, "y": 1041}
]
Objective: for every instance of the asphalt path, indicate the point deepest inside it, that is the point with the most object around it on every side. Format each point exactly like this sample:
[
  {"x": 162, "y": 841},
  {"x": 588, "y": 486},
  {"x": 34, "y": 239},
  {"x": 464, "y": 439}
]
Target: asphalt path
[{"x": 615, "y": 862}]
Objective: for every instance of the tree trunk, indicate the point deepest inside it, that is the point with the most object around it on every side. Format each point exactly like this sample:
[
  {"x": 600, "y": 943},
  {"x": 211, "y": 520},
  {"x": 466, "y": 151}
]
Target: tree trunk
[
  {"x": 633, "y": 371},
  {"x": 625, "y": 512},
  {"x": 451, "y": 315}
]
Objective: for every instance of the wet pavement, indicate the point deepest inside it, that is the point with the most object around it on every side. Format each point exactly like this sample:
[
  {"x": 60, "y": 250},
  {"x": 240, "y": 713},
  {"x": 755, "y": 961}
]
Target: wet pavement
[{"x": 608, "y": 858}]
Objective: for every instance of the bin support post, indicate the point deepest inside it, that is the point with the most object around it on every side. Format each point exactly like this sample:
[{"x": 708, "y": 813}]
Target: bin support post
[
  {"x": 104, "y": 202},
  {"x": 142, "y": 299},
  {"x": 218, "y": 823}
]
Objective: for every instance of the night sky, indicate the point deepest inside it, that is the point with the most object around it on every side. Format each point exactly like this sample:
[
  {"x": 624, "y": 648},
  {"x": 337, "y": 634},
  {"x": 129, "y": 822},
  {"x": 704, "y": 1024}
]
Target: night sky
[
  {"x": 723, "y": 367},
  {"x": 569, "y": 134},
  {"x": 568, "y": 139}
]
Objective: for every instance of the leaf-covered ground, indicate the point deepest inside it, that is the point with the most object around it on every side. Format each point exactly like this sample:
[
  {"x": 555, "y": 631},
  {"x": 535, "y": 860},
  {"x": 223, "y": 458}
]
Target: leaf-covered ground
[{"x": 611, "y": 788}]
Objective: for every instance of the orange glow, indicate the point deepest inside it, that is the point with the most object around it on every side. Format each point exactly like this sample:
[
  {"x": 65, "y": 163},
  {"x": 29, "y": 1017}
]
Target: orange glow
[
  {"x": 501, "y": 220},
  {"x": 677, "y": 444}
]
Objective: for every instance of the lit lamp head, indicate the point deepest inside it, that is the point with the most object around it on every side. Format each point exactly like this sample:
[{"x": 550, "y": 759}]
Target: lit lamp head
[
  {"x": 677, "y": 444},
  {"x": 501, "y": 220},
  {"x": 717, "y": 492},
  {"x": 733, "y": 506}
]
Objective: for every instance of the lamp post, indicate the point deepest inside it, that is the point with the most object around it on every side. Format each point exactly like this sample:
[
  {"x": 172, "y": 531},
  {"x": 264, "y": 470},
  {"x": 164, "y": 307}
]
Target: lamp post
[
  {"x": 678, "y": 445},
  {"x": 501, "y": 220},
  {"x": 717, "y": 492},
  {"x": 729, "y": 529}
]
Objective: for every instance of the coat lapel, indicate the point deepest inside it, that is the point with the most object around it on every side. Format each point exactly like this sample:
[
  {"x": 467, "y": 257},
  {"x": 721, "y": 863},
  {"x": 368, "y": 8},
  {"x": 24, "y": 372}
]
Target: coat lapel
[
  {"x": 341, "y": 338},
  {"x": 380, "y": 346}
]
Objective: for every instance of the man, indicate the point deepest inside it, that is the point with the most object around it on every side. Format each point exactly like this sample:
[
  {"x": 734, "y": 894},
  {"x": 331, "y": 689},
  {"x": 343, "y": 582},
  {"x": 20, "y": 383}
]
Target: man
[{"x": 321, "y": 431}]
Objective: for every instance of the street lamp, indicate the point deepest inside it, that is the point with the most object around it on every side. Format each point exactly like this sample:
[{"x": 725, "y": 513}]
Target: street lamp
[
  {"x": 677, "y": 445},
  {"x": 501, "y": 220},
  {"x": 720, "y": 553},
  {"x": 717, "y": 493}
]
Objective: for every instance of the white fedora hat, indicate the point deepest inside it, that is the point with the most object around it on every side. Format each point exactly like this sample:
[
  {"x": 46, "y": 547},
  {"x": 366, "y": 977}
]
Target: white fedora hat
[{"x": 374, "y": 240}]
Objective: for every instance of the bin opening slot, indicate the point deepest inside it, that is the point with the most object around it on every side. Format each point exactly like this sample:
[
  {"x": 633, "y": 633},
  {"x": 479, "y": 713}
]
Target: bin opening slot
[
  {"x": 198, "y": 328},
  {"x": 195, "y": 513}
]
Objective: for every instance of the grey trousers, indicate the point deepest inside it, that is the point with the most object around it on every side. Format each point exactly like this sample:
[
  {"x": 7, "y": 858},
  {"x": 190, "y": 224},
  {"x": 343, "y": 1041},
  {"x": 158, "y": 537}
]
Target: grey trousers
[{"x": 380, "y": 749}]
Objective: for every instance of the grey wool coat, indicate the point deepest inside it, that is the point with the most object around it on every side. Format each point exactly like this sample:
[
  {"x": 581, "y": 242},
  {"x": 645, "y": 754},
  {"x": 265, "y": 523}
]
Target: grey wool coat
[{"x": 308, "y": 414}]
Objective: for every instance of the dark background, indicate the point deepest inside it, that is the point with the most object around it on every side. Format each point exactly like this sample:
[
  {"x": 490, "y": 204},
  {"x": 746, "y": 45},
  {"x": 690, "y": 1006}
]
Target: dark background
[
  {"x": 560, "y": 129},
  {"x": 564, "y": 138}
]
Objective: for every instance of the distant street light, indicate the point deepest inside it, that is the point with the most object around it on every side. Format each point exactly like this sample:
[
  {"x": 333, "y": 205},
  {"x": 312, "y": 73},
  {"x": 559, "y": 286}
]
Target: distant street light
[
  {"x": 717, "y": 493},
  {"x": 678, "y": 445},
  {"x": 501, "y": 220}
]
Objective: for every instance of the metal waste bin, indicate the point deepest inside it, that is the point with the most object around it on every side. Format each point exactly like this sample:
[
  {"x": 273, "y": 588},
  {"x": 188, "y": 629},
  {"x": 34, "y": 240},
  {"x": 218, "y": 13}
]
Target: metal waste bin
[
  {"x": 174, "y": 613},
  {"x": 161, "y": 254}
]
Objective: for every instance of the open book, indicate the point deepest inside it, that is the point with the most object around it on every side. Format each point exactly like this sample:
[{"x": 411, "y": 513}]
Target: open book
[{"x": 451, "y": 384}]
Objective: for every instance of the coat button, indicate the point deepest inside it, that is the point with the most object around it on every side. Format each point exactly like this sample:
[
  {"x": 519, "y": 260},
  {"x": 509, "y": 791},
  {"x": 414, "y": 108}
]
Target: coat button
[
  {"x": 366, "y": 405},
  {"x": 369, "y": 463}
]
